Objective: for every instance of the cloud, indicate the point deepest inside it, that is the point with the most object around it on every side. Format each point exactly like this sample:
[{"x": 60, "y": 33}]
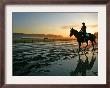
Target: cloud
[
  {"x": 93, "y": 26},
  {"x": 65, "y": 27},
  {"x": 77, "y": 26}
]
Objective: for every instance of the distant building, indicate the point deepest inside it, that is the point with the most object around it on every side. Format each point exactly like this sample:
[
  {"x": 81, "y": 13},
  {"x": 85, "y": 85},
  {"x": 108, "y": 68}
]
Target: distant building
[{"x": 45, "y": 38}]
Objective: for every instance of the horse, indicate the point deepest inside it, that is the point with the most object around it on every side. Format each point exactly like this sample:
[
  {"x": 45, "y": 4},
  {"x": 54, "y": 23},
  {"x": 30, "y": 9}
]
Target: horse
[{"x": 81, "y": 39}]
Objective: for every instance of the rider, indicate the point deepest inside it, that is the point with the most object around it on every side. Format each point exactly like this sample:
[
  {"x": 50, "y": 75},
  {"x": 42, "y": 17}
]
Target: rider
[{"x": 83, "y": 30}]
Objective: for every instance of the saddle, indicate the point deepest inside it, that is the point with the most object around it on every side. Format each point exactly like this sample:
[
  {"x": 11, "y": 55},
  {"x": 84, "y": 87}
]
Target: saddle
[{"x": 87, "y": 35}]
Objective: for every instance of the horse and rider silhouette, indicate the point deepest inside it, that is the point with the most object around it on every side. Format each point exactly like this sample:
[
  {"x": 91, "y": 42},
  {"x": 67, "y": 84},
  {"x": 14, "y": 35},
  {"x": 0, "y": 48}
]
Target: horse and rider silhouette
[{"x": 82, "y": 36}]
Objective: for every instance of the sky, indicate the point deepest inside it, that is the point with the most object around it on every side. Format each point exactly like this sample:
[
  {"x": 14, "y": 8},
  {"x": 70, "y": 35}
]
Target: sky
[{"x": 53, "y": 22}]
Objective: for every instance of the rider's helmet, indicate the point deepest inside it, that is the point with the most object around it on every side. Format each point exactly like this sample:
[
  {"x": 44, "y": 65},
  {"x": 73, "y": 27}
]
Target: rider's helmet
[{"x": 83, "y": 23}]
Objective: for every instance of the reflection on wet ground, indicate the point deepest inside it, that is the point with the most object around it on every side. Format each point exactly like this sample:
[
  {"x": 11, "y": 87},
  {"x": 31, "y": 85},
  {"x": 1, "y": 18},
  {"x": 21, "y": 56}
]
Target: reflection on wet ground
[
  {"x": 53, "y": 59},
  {"x": 84, "y": 66}
]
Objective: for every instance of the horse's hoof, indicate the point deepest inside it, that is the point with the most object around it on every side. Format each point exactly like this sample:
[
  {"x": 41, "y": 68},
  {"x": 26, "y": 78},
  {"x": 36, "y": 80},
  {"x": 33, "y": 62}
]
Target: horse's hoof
[{"x": 93, "y": 50}]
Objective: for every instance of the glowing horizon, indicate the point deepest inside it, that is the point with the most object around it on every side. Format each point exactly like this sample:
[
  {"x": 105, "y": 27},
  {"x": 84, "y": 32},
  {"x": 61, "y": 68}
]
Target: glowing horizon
[{"x": 53, "y": 23}]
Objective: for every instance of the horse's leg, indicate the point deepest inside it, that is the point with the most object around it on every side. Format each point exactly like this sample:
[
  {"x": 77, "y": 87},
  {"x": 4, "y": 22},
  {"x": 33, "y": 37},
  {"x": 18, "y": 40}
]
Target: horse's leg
[
  {"x": 86, "y": 45},
  {"x": 95, "y": 42},
  {"x": 79, "y": 46},
  {"x": 93, "y": 46}
]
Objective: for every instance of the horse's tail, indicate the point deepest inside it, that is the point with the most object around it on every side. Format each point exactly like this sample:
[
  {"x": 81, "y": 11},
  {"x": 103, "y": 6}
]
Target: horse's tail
[
  {"x": 95, "y": 39},
  {"x": 94, "y": 36}
]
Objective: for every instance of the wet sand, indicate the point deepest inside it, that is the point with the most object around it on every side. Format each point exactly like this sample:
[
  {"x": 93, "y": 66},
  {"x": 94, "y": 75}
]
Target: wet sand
[{"x": 59, "y": 58}]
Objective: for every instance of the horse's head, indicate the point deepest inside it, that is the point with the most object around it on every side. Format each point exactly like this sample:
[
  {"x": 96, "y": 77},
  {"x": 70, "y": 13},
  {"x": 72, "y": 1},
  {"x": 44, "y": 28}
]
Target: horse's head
[{"x": 72, "y": 32}]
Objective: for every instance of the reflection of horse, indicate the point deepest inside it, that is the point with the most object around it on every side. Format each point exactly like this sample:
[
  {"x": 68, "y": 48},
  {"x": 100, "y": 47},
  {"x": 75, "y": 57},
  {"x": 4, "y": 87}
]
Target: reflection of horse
[
  {"x": 83, "y": 66},
  {"x": 81, "y": 38}
]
